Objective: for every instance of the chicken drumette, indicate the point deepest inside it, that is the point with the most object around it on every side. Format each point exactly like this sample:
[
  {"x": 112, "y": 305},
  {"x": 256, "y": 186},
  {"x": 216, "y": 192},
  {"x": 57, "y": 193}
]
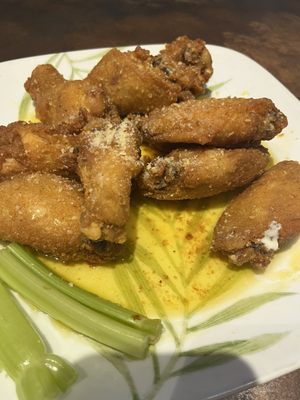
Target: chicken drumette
[
  {"x": 43, "y": 211},
  {"x": 65, "y": 103},
  {"x": 262, "y": 218},
  {"x": 31, "y": 147}
]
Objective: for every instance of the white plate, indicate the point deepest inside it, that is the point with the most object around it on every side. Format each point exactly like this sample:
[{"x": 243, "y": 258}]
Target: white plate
[{"x": 265, "y": 338}]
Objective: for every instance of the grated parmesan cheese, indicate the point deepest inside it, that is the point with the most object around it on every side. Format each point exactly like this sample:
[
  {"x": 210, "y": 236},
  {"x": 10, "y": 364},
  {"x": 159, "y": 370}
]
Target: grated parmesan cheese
[{"x": 271, "y": 235}]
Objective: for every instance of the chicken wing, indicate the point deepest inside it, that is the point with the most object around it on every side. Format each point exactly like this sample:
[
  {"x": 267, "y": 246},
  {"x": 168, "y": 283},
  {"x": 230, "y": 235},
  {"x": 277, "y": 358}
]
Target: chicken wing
[
  {"x": 108, "y": 160},
  {"x": 43, "y": 211},
  {"x": 218, "y": 122},
  {"x": 27, "y": 147},
  {"x": 197, "y": 172},
  {"x": 188, "y": 63},
  {"x": 64, "y": 103},
  {"x": 132, "y": 83},
  {"x": 137, "y": 82},
  {"x": 261, "y": 219}
]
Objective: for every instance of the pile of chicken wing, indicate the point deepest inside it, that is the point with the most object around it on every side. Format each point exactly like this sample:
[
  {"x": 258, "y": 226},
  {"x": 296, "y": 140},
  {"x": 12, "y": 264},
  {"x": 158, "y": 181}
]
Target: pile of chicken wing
[{"x": 66, "y": 181}]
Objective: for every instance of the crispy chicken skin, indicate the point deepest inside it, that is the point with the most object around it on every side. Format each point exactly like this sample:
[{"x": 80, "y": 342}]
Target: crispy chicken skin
[
  {"x": 137, "y": 82},
  {"x": 64, "y": 103},
  {"x": 43, "y": 211},
  {"x": 198, "y": 172},
  {"x": 29, "y": 147},
  {"x": 108, "y": 160},
  {"x": 218, "y": 122},
  {"x": 188, "y": 63},
  {"x": 261, "y": 219},
  {"x": 132, "y": 83}
]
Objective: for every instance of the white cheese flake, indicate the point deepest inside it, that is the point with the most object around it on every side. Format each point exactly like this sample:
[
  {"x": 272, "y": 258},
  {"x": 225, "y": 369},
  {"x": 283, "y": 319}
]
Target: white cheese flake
[{"x": 271, "y": 235}]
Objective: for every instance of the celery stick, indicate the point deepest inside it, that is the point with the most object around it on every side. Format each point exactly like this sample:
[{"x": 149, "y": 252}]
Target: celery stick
[
  {"x": 138, "y": 321},
  {"x": 24, "y": 357},
  {"x": 69, "y": 311}
]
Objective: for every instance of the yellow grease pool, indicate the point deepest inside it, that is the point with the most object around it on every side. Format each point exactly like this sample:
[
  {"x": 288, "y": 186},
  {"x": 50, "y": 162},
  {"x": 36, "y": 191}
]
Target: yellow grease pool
[{"x": 172, "y": 271}]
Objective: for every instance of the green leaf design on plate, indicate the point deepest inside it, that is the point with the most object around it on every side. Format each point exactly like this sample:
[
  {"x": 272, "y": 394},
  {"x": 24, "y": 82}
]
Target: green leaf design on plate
[
  {"x": 25, "y": 108},
  {"x": 155, "y": 364},
  {"x": 223, "y": 284},
  {"x": 238, "y": 309},
  {"x": 116, "y": 359},
  {"x": 126, "y": 286},
  {"x": 92, "y": 57},
  {"x": 210, "y": 89},
  {"x": 142, "y": 254},
  {"x": 53, "y": 58},
  {"x": 219, "y": 353},
  {"x": 218, "y": 85},
  {"x": 153, "y": 298}
]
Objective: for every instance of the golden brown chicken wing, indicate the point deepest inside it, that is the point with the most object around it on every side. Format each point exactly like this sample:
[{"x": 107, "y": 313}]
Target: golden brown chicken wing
[
  {"x": 218, "y": 122},
  {"x": 64, "y": 103},
  {"x": 108, "y": 160},
  {"x": 198, "y": 172},
  {"x": 132, "y": 83},
  {"x": 188, "y": 63},
  {"x": 26, "y": 147},
  {"x": 10, "y": 147},
  {"x": 261, "y": 219},
  {"x": 137, "y": 82},
  {"x": 43, "y": 211}
]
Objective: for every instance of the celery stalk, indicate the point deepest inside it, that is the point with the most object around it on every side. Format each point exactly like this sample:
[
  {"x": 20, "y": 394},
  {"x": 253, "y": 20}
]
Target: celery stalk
[
  {"x": 23, "y": 355},
  {"x": 69, "y": 311},
  {"x": 138, "y": 321}
]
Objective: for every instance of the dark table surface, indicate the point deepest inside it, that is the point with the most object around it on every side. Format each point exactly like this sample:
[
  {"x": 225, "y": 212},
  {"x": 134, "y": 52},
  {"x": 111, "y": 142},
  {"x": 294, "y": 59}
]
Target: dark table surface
[{"x": 266, "y": 30}]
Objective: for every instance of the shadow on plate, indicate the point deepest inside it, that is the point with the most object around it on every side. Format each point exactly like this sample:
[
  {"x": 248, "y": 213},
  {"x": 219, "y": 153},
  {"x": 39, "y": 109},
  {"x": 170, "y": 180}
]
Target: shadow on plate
[{"x": 110, "y": 377}]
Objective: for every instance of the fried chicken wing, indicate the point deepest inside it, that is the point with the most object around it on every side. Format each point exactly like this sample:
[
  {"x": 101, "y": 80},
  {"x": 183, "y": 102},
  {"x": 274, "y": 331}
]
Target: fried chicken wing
[
  {"x": 30, "y": 147},
  {"x": 137, "y": 82},
  {"x": 262, "y": 218},
  {"x": 10, "y": 147},
  {"x": 43, "y": 211},
  {"x": 188, "y": 63},
  {"x": 132, "y": 83},
  {"x": 196, "y": 173},
  {"x": 64, "y": 103},
  {"x": 218, "y": 122},
  {"x": 108, "y": 160}
]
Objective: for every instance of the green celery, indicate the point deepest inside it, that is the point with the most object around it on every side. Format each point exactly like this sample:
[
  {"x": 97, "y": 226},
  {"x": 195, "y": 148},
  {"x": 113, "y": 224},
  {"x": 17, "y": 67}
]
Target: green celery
[
  {"x": 138, "y": 321},
  {"x": 70, "y": 312},
  {"x": 23, "y": 355}
]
